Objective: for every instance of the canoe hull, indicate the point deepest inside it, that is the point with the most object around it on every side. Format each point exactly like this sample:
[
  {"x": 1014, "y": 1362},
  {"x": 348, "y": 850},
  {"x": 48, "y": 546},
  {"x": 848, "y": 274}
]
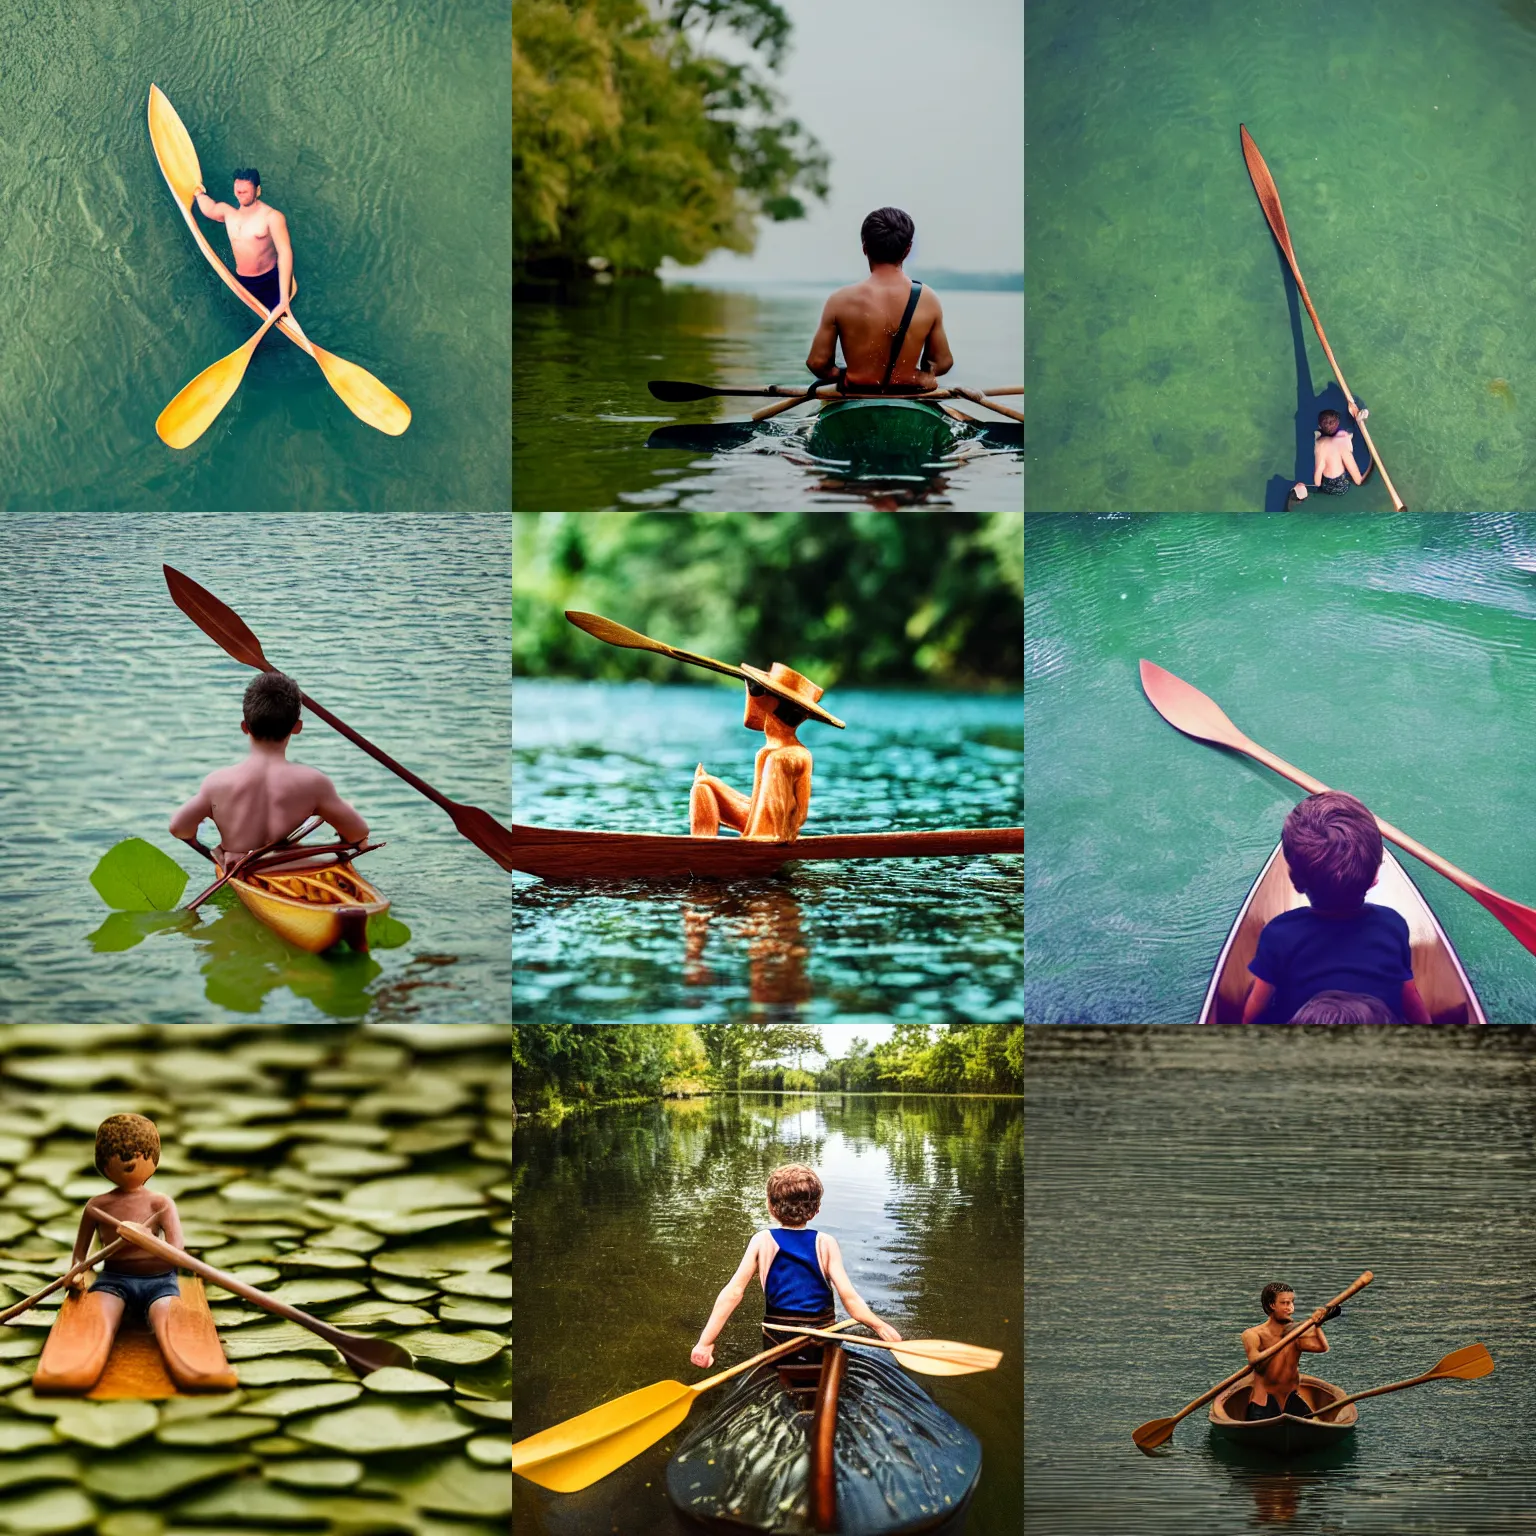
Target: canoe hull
[
  {"x": 1447, "y": 990},
  {"x": 883, "y": 431},
  {"x": 561, "y": 853},
  {"x": 745, "y": 1468},
  {"x": 1286, "y": 1436},
  {"x": 313, "y": 909}
]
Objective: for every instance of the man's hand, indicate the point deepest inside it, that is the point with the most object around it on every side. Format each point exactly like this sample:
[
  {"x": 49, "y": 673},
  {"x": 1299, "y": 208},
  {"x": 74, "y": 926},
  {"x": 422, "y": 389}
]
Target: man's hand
[
  {"x": 887, "y": 1333},
  {"x": 703, "y": 1356},
  {"x": 1332, "y": 1313}
]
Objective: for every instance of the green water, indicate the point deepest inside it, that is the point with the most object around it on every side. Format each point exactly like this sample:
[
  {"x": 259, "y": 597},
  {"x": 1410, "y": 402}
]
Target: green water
[
  {"x": 1162, "y": 365},
  {"x": 923, "y": 1194},
  {"x": 117, "y": 705},
  {"x": 1172, "y": 1174},
  {"x": 380, "y": 131},
  {"x": 1389, "y": 657},
  {"x": 580, "y": 369}
]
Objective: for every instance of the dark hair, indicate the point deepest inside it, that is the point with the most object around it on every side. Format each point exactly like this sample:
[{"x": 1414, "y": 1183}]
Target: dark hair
[
  {"x": 789, "y": 714},
  {"x": 1344, "y": 1008},
  {"x": 794, "y": 1194},
  {"x": 1333, "y": 848},
  {"x": 247, "y": 173},
  {"x": 272, "y": 706},
  {"x": 129, "y": 1137},
  {"x": 1272, "y": 1290},
  {"x": 887, "y": 235},
  {"x": 1327, "y": 422}
]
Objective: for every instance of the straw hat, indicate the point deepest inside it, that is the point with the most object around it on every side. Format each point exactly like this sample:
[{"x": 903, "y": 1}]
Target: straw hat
[{"x": 785, "y": 683}]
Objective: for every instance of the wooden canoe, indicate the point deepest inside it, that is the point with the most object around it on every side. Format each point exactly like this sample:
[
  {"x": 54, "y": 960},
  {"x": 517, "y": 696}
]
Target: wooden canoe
[
  {"x": 135, "y": 1366},
  {"x": 560, "y": 853},
  {"x": 1285, "y": 1435},
  {"x": 1444, "y": 985},
  {"x": 899, "y": 1464},
  {"x": 312, "y": 908}
]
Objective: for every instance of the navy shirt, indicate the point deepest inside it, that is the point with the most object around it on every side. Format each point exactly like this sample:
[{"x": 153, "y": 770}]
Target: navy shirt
[{"x": 1301, "y": 954}]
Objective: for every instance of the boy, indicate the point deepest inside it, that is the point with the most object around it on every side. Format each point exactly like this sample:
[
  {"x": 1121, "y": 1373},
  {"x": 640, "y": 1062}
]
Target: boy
[
  {"x": 1276, "y": 1379},
  {"x": 1333, "y": 453},
  {"x": 795, "y": 1265},
  {"x": 265, "y": 797},
  {"x": 1341, "y": 942}
]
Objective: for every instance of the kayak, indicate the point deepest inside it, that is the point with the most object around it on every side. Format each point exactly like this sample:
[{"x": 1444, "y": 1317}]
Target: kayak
[
  {"x": 1443, "y": 983},
  {"x": 1285, "y": 1435},
  {"x": 879, "y": 431},
  {"x": 887, "y": 1460},
  {"x": 313, "y": 909},
  {"x": 134, "y": 1365},
  {"x": 561, "y": 853}
]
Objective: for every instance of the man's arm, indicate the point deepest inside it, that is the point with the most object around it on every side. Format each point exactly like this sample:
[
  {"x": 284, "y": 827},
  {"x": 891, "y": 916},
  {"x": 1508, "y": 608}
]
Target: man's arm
[
  {"x": 1415, "y": 1009},
  {"x": 348, "y": 824},
  {"x": 1351, "y": 466},
  {"x": 855, "y": 1303},
  {"x": 1259, "y": 995},
  {"x": 192, "y": 815},
  {"x": 170, "y": 1221},
  {"x": 279, "y": 227},
  {"x": 822, "y": 359},
  {"x": 1313, "y": 1342},
  {"x": 937, "y": 358},
  {"x": 726, "y": 1302},
  {"x": 1251, "y": 1345},
  {"x": 209, "y": 209}
]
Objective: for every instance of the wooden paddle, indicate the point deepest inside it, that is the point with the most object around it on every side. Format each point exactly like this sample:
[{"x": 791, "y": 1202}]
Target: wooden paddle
[
  {"x": 1155, "y": 1431},
  {"x": 89, "y": 1262},
  {"x": 675, "y": 391},
  {"x": 363, "y": 1355},
  {"x": 928, "y": 1357},
  {"x": 228, "y": 630},
  {"x": 196, "y": 404},
  {"x": 1185, "y": 708},
  {"x": 1466, "y": 1364},
  {"x": 240, "y": 865},
  {"x": 574, "y": 1455},
  {"x": 360, "y": 392},
  {"x": 1269, "y": 201}
]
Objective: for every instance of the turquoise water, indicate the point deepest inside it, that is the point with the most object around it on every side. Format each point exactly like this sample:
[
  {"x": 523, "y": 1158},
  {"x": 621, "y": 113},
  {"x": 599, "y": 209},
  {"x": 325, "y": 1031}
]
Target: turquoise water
[
  {"x": 1389, "y": 657},
  {"x": 117, "y": 705},
  {"x": 1163, "y": 373},
  {"x": 580, "y": 371},
  {"x": 380, "y": 131}
]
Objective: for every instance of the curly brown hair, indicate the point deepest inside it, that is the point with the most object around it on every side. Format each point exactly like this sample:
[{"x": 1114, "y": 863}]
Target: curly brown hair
[
  {"x": 1275, "y": 1289},
  {"x": 1332, "y": 849},
  {"x": 794, "y": 1194},
  {"x": 127, "y": 1137}
]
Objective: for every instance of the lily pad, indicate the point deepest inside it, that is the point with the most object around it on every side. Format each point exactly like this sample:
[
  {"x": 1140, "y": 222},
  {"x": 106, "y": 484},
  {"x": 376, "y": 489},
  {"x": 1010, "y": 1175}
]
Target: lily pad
[
  {"x": 135, "y": 876},
  {"x": 315, "y": 1472},
  {"x": 282, "y": 1370},
  {"x": 395, "y": 1380},
  {"x": 44, "y": 1514},
  {"x": 489, "y": 1287},
  {"x": 380, "y": 1428},
  {"x": 490, "y": 1452},
  {"x": 308, "y": 1397},
  {"x": 452, "y": 1348},
  {"x": 451, "y": 1488},
  {"x": 60, "y": 1466},
  {"x": 106, "y": 1425},
  {"x": 478, "y": 1314},
  {"x": 227, "y": 1429},
  {"x": 140, "y": 1479},
  {"x": 25, "y": 1435}
]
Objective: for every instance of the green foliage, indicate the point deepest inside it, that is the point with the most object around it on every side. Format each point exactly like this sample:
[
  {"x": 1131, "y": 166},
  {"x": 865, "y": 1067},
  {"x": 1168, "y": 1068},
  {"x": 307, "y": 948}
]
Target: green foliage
[
  {"x": 135, "y": 876},
  {"x": 559, "y": 1063},
  {"x": 630, "y": 144},
  {"x": 865, "y": 598},
  {"x": 963, "y": 1058},
  {"x": 740, "y": 1055}
]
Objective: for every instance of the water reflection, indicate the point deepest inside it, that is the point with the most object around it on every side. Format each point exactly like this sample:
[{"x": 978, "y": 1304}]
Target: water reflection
[
  {"x": 1278, "y": 1490},
  {"x": 770, "y": 922}
]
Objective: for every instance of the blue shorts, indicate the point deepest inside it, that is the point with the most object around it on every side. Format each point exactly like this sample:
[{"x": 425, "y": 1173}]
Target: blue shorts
[
  {"x": 137, "y": 1291},
  {"x": 265, "y": 287}
]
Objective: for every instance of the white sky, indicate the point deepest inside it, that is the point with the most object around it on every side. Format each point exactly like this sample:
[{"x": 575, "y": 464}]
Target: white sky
[{"x": 920, "y": 106}]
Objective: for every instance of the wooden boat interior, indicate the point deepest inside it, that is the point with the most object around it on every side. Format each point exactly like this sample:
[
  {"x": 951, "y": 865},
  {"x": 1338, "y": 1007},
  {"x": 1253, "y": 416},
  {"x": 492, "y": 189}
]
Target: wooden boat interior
[
  {"x": 335, "y": 886},
  {"x": 1312, "y": 1390},
  {"x": 1443, "y": 984}
]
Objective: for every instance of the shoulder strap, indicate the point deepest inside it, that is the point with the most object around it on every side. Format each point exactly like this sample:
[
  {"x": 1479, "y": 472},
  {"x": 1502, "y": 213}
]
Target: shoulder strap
[{"x": 901, "y": 332}]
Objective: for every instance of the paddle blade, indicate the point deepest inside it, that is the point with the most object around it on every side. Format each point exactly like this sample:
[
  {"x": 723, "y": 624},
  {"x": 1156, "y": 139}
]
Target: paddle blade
[
  {"x": 1186, "y": 709},
  {"x": 362, "y": 394},
  {"x": 1468, "y": 1364},
  {"x": 217, "y": 620},
  {"x": 715, "y": 437},
  {"x": 1269, "y": 196},
  {"x": 1153, "y": 1433},
  {"x": 178, "y": 159},
  {"x": 579, "y": 1452},
  {"x": 675, "y": 390},
  {"x": 615, "y": 634},
  {"x": 947, "y": 1360},
  {"x": 485, "y": 832},
  {"x": 1515, "y": 916},
  {"x": 192, "y": 412}
]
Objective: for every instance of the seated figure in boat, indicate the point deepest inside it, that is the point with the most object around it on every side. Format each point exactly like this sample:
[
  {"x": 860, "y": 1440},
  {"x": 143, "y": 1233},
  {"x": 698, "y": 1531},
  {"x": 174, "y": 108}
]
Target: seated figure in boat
[
  {"x": 1275, "y": 1380},
  {"x": 798, "y": 1267},
  {"x": 1341, "y": 942},
  {"x": 1333, "y": 458},
  {"x": 258, "y": 801},
  {"x": 891, "y": 327},
  {"x": 131, "y": 1281},
  {"x": 778, "y": 703}
]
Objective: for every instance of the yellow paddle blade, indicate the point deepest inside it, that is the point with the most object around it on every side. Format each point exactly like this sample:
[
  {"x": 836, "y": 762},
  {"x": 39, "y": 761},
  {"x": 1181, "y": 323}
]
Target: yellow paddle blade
[
  {"x": 191, "y": 413},
  {"x": 362, "y": 394},
  {"x": 939, "y": 1357},
  {"x": 177, "y": 157},
  {"x": 577, "y": 1453}
]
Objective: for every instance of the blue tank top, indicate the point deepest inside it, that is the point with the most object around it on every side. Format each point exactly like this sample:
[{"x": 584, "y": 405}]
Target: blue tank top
[{"x": 795, "y": 1281}]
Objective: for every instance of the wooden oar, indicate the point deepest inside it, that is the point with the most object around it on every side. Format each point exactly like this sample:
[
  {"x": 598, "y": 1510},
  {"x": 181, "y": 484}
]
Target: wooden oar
[
  {"x": 363, "y": 1355},
  {"x": 239, "y": 866},
  {"x": 196, "y": 404},
  {"x": 1155, "y": 1431},
  {"x": 1269, "y": 200},
  {"x": 928, "y": 1357},
  {"x": 228, "y": 630},
  {"x": 360, "y": 392},
  {"x": 1185, "y": 708},
  {"x": 577, "y": 1453},
  {"x": 675, "y": 391},
  {"x": 89, "y": 1262},
  {"x": 1466, "y": 1364}
]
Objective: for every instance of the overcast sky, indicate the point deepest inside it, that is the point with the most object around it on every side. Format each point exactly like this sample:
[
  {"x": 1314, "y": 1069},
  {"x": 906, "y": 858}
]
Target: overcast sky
[{"x": 920, "y": 105}]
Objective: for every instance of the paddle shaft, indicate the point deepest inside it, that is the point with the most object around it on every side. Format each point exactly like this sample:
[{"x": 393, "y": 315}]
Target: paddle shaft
[
  {"x": 1437, "y": 1374},
  {"x": 1269, "y": 201},
  {"x": 240, "y": 865},
  {"x": 89, "y": 1262}
]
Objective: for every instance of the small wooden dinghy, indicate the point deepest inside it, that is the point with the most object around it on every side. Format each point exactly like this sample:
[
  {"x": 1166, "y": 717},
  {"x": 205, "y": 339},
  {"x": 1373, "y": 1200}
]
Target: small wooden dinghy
[
  {"x": 1285, "y": 1435},
  {"x": 1443, "y": 984},
  {"x": 135, "y": 1366},
  {"x": 313, "y": 909},
  {"x": 886, "y": 1459}
]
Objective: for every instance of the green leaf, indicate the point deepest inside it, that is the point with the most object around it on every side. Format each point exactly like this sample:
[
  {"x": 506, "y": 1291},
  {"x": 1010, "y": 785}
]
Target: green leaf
[
  {"x": 308, "y": 1398},
  {"x": 135, "y": 876},
  {"x": 43, "y": 1514},
  {"x": 386, "y": 931},
  {"x": 226, "y": 1429},
  {"x": 106, "y": 1425},
  {"x": 395, "y": 1380},
  {"x": 383, "y": 1428},
  {"x": 315, "y": 1472},
  {"x": 124, "y": 930}
]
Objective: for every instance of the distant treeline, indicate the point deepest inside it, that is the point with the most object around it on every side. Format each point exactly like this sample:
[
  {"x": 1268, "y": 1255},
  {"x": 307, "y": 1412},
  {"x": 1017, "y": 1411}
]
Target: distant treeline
[
  {"x": 861, "y": 599},
  {"x": 555, "y": 1064}
]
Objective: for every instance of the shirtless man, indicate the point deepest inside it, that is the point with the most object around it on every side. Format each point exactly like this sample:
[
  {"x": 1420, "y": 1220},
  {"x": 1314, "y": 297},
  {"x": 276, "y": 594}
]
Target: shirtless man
[
  {"x": 1333, "y": 456},
  {"x": 258, "y": 236},
  {"x": 1275, "y": 1381},
  {"x": 867, "y": 318},
  {"x": 265, "y": 797},
  {"x": 778, "y": 703}
]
